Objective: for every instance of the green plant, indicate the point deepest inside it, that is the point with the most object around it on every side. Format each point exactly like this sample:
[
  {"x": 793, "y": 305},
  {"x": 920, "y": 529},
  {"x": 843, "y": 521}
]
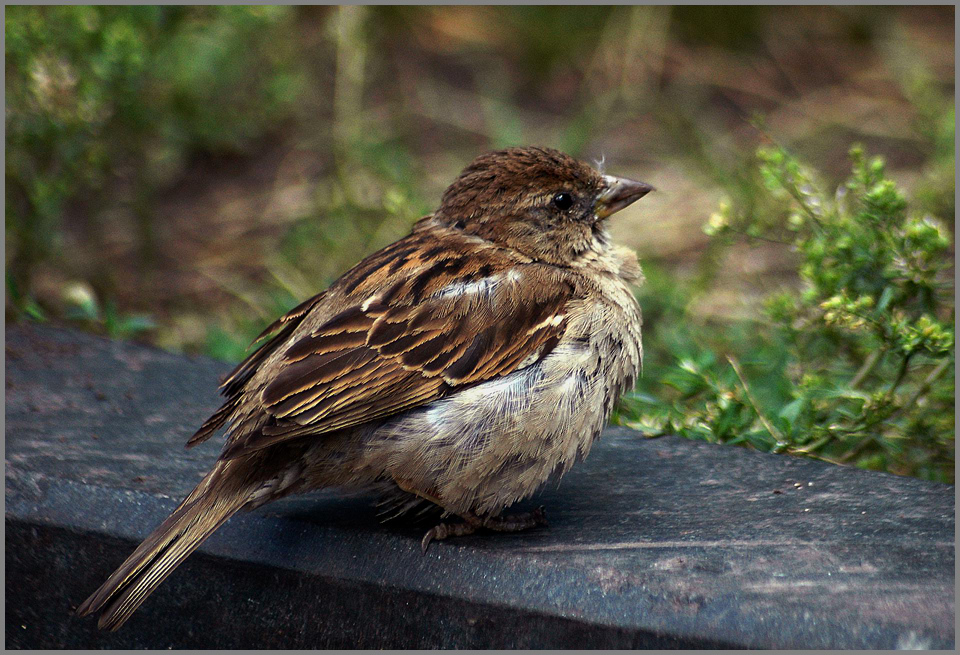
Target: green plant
[
  {"x": 83, "y": 307},
  {"x": 855, "y": 367},
  {"x": 106, "y": 104}
]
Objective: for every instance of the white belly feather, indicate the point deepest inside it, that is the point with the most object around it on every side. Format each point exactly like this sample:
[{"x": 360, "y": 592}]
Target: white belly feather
[{"x": 513, "y": 433}]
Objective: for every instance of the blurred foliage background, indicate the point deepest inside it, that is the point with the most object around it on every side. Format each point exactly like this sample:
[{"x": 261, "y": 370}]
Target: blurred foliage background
[{"x": 181, "y": 175}]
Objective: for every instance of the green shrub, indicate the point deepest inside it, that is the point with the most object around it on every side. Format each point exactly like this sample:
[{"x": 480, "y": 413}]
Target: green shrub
[
  {"x": 105, "y": 104},
  {"x": 855, "y": 367}
]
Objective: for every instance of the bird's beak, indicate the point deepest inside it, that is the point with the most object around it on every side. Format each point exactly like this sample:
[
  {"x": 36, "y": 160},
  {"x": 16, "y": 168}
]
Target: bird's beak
[{"x": 619, "y": 193}]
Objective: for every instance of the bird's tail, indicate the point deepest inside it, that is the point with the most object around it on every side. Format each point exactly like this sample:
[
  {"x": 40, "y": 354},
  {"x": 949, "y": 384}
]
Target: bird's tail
[{"x": 220, "y": 494}]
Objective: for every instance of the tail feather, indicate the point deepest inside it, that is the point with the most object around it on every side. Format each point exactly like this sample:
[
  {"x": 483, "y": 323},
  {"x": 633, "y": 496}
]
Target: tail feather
[{"x": 216, "y": 499}]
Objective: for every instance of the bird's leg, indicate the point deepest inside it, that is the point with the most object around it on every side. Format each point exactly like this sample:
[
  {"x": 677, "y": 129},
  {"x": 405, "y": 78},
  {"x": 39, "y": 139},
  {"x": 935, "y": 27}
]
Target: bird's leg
[
  {"x": 444, "y": 530},
  {"x": 472, "y": 522},
  {"x": 512, "y": 523},
  {"x": 430, "y": 495},
  {"x": 441, "y": 530},
  {"x": 515, "y": 522}
]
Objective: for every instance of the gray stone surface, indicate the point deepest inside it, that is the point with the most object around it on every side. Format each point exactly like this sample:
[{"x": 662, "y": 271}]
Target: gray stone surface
[{"x": 651, "y": 543}]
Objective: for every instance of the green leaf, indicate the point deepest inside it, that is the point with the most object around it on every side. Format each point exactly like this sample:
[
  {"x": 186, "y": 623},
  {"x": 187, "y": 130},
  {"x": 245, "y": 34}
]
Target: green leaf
[{"x": 791, "y": 412}]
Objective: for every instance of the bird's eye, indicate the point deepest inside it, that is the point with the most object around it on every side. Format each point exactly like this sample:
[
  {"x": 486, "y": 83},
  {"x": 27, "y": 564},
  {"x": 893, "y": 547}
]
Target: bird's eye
[{"x": 563, "y": 201}]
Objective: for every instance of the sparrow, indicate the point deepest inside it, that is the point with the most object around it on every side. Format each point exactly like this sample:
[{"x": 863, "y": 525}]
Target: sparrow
[{"x": 462, "y": 366}]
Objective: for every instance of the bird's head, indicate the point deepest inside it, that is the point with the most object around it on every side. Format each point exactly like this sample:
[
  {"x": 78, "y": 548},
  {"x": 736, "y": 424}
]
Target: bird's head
[{"x": 539, "y": 201}]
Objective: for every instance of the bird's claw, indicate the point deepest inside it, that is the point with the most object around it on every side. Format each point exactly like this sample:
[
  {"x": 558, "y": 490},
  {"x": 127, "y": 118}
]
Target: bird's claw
[
  {"x": 537, "y": 517},
  {"x": 444, "y": 530}
]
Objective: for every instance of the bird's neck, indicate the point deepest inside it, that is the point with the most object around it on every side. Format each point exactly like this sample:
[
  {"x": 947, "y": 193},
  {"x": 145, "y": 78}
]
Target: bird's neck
[{"x": 604, "y": 256}]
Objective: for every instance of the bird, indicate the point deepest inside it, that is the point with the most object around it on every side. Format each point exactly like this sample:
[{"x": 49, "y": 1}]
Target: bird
[{"x": 460, "y": 367}]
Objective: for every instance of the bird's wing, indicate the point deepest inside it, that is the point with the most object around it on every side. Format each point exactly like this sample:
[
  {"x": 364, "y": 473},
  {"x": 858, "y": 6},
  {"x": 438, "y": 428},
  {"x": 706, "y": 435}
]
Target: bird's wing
[
  {"x": 429, "y": 334},
  {"x": 233, "y": 385}
]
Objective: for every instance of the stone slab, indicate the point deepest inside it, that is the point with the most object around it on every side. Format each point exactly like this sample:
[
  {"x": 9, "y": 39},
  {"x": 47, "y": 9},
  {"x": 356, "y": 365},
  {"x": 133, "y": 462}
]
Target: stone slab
[{"x": 651, "y": 543}]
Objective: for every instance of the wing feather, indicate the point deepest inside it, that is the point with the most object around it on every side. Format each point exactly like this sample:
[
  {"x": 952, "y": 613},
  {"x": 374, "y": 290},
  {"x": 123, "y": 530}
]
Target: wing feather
[
  {"x": 233, "y": 385},
  {"x": 425, "y": 339}
]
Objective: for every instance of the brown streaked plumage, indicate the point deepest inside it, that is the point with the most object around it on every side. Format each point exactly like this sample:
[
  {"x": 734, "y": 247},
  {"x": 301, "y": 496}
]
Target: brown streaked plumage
[{"x": 462, "y": 366}]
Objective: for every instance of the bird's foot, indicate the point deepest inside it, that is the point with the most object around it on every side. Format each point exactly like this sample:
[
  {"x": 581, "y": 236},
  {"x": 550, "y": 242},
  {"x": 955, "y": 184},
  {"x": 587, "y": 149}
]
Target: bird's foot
[
  {"x": 444, "y": 530},
  {"x": 512, "y": 523}
]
